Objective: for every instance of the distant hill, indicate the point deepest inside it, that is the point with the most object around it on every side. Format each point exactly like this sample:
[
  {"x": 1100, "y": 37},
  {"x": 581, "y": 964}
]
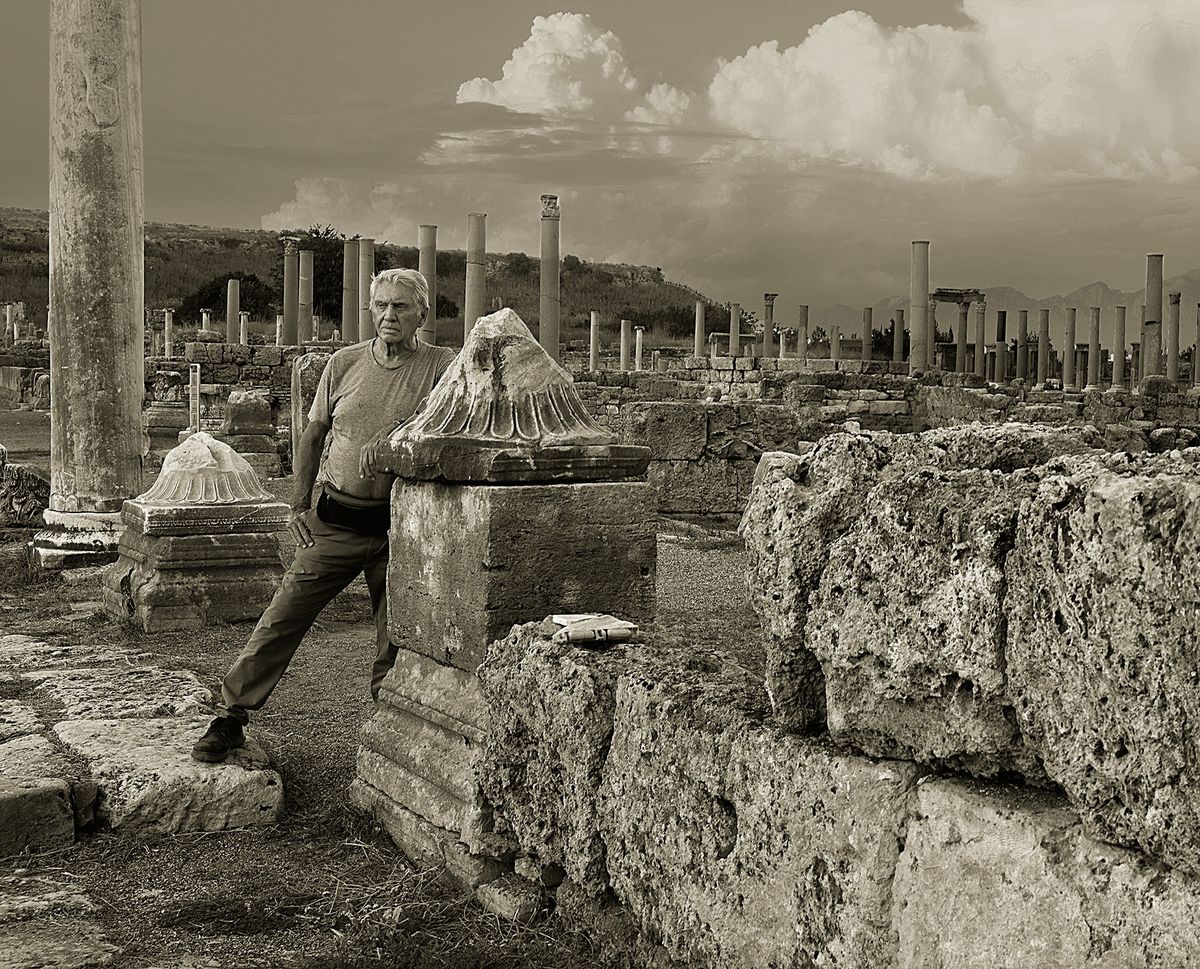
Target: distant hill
[{"x": 180, "y": 259}]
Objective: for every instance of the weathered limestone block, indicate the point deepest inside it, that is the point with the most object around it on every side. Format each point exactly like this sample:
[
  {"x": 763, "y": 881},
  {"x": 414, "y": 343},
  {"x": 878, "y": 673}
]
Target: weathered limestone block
[
  {"x": 70, "y": 943},
  {"x": 151, "y": 784},
  {"x": 672, "y": 430},
  {"x": 908, "y": 622},
  {"x": 123, "y": 691},
  {"x": 467, "y": 563},
  {"x": 740, "y": 845},
  {"x": 18, "y": 719},
  {"x": 1102, "y": 658},
  {"x": 306, "y": 374},
  {"x": 710, "y": 486},
  {"x": 550, "y": 710},
  {"x": 1004, "y": 879},
  {"x": 248, "y": 412},
  {"x": 36, "y": 808}
]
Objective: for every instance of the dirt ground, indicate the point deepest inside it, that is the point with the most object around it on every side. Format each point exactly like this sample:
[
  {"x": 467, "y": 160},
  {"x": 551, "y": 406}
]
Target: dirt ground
[{"x": 324, "y": 888}]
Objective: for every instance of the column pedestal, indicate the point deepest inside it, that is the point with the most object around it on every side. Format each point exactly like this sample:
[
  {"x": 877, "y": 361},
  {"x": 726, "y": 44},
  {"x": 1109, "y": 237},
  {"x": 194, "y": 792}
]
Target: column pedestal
[{"x": 76, "y": 540}]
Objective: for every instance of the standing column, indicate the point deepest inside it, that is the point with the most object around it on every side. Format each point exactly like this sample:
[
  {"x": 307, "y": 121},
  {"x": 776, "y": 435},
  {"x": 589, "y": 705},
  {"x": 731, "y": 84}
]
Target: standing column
[
  {"x": 549, "y": 305},
  {"x": 366, "y": 271},
  {"x": 1094, "y": 374},
  {"x": 802, "y": 334},
  {"x": 475, "y": 298},
  {"x": 427, "y": 266},
  {"x": 1001, "y": 346},
  {"x": 10, "y": 322},
  {"x": 981, "y": 339},
  {"x": 291, "y": 290},
  {"x": 835, "y": 342},
  {"x": 931, "y": 326},
  {"x": 1043, "y": 351},
  {"x": 783, "y": 338},
  {"x": 594, "y": 343},
  {"x": 1069, "y": 352},
  {"x": 279, "y": 329},
  {"x": 1152, "y": 314},
  {"x": 960, "y": 340},
  {"x": 1196, "y": 351},
  {"x": 898, "y": 337},
  {"x": 194, "y": 396},
  {"x": 244, "y": 328},
  {"x": 169, "y": 334},
  {"x": 304, "y": 296},
  {"x": 233, "y": 306},
  {"x": 625, "y": 334},
  {"x": 1173, "y": 337},
  {"x": 205, "y": 318},
  {"x": 350, "y": 297},
  {"x": 735, "y": 323},
  {"x": 918, "y": 308},
  {"x": 1023, "y": 344},
  {"x": 1119, "y": 350},
  {"x": 698, "y": 337},
  {"x": 97, "y": 316},
  {"x": 768, "y": 324},
  {"x": 868, "y": 319},
  {"x": 637, "y": 347}
]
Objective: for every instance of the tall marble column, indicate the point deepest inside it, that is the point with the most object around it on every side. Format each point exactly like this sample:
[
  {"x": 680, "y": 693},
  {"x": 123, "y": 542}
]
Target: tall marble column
[
  {"x": 1153, "y": 315},
  {"x": 169, "y": 334},
  {"x": 1069, "y": 352},
  {"x": 637, "y": 347},
  {"x": 1044, "y": 353},
  {"x": 278, "y": 329},
  {"x": 981, "y": 339},
  {"x": 698, "y": 336},
  {"x": 1172, "y": 340},
  {"x": 366, "y": 271},
  {"x": 768, "y": 324},
  {"x": 802, "y": 334},
  {"x": 427, "y": 266},
  {"x": 625, "y": 335},
  {"x": 1023, "y": 344},
  {"x": 867, "y": 324},
  {"x": 1001, "y": 346},
  {"x": 549, "y": 299},
  {"x": 1118, "y": 380},
  {"x": 304, "y": 294},
  {"x": 960, "y": 340},
  {"x": 920, "y": 339},
  {"x": 350, "y": 297},
  {"x": 243, "y": 328},
  {"x": 233, "y": 306},
  {"x": 898, "y": 337},
  {"x": 97, "y": 316},
  {"x": 475, "y": 298},
  {"x": 291, "y": 291},
  {"x": 593, "y": 342},
  {"x": 835, "y": 342},
  {"x": 1093, "y": 358},
  {"x": 1196, "y": 352},
  {"x": 735, "y": 328}
]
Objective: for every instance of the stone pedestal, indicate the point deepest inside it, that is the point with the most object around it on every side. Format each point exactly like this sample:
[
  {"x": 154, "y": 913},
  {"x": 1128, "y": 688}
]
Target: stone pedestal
[
  {"x": 74, "y": 540},
  {"x": 511, "y": 504},
  {"x": 199, "y": 546}
]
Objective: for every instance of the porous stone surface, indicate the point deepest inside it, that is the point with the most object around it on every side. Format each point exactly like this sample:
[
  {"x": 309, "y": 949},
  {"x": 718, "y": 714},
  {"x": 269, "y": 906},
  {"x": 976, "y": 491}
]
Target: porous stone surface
[
  {"x": 908, "y": 622},
  {"x": 73, "y": 943},
  {"x": 738, "y": 844},
  {"x": 1102, "y": 653},
  {"x": 248, "y": 412},
  {"x": 995, "y": 878},
  {"x": 123, "y": 691},
  {"x": 24, "y": 896},
  {"x": 512, "y": 897},
  {"x": 150, "y": 784},
  {"x": 36, "y": 808},
  {"x": 18, "y": 719},
  {"x": 306, "y": 374},
  {"x": 551, "y": 712},
  {"x": 467, "y": 563}
]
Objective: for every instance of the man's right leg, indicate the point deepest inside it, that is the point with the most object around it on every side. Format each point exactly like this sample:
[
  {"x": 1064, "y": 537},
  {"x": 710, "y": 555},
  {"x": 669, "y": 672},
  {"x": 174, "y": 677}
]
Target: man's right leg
[{"x": 317, "y": 575}]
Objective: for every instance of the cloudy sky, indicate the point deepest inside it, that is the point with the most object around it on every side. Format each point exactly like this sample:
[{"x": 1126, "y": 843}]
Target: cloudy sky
[{"x": 794, "y": 147}]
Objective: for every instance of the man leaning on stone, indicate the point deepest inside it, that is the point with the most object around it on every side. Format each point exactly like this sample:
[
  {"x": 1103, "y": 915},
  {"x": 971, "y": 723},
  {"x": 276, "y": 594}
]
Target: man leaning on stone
[{"x": 366, "y": 391}]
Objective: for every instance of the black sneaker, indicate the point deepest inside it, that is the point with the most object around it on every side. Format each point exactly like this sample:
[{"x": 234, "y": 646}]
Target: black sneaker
[{"x": 223, "y": 735}]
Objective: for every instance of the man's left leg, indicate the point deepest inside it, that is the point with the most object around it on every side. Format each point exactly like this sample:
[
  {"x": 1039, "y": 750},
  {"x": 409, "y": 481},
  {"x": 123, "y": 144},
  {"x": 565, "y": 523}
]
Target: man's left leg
[{"x": 375, "y": 572}]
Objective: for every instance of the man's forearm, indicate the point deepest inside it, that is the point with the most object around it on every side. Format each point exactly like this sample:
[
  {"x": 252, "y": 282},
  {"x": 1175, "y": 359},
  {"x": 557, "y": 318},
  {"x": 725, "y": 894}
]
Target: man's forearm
[{"x": 307, "y": 461}]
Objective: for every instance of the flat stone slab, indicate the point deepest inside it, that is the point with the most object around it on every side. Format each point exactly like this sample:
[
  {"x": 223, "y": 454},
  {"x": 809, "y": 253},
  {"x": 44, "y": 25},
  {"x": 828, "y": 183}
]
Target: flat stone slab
[
  {"x": 124, "y": 691},
  {"x": 21, "y": 652},
  {"x": 26, "y": 897},
  {"x": 17, "y": 720},
  {"x": 67, "y": 944},
  {"x": 40, "y": 805},
  {"x": 993, "y": 878},
  {"x": 150, "y": 784}
]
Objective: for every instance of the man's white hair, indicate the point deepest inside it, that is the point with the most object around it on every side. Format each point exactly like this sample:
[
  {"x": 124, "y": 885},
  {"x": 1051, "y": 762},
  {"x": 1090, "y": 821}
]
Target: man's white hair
[{"x": 408, "y": 279}]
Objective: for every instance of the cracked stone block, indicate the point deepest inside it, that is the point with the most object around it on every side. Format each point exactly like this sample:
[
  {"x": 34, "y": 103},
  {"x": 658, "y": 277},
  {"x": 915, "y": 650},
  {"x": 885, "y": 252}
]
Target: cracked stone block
[{"x": 123, "y": 691}]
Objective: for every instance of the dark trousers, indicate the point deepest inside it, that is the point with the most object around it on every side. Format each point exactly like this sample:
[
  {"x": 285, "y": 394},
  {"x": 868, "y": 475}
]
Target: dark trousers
[{"x": 317, "y": 575}]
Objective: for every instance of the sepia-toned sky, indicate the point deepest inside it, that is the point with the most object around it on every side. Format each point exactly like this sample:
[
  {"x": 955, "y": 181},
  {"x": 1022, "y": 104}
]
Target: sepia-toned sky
[{"x": 790, "y": 146}]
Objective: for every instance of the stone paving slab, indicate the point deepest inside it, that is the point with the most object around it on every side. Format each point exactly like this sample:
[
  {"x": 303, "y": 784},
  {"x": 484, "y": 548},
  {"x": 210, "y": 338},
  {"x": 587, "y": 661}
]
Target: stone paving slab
[
  {"x": 18, "y": 652},
  {"x": 66, "y": 944},
  {"x": 23, "y": 897},
  {"x": 150, "y": 784},
  {"x": 115, "y": 691},
  {"x": 36, "y": 807},
  {"x": 18, "y": 720}
]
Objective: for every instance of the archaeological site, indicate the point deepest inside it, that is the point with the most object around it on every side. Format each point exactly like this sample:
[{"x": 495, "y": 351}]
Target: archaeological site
[{"x": 763, "y": 647}]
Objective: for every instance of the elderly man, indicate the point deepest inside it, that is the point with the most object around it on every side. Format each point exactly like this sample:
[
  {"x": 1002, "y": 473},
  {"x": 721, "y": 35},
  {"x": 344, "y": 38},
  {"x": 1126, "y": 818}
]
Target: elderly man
[{"x": 366, "y": 391}]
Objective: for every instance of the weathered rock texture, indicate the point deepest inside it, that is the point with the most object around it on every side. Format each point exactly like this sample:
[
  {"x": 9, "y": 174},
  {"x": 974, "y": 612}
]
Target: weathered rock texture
[
  {"x": 1103, "y": 646},
  {"x": 996, "y": 879},
  {"x": 24, "y": 494}
]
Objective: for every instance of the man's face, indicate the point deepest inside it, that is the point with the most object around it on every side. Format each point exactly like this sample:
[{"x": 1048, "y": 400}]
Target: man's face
[{"x": 396, "y": 313}]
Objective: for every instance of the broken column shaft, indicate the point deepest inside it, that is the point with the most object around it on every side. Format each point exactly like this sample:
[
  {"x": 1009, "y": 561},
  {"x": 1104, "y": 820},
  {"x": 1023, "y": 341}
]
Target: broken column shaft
[
  {"x": 475, "y": 297},
  {"x": 549, "y": 299}
]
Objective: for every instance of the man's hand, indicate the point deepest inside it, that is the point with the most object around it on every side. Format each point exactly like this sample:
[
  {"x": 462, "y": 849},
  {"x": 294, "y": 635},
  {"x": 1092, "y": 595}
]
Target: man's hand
[
  {"x": 298, "y": 526},
  {"x": 370, "y": 458}
]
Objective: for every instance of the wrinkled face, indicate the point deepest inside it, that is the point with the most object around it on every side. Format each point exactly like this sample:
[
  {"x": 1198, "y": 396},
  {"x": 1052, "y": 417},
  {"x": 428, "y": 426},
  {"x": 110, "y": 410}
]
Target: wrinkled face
[{"x": 396, "y": 313}]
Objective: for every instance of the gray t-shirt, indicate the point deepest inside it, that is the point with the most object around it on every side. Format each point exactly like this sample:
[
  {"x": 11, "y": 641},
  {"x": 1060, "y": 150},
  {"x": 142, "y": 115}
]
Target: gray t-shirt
[{"x": 358, "y": 397}]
